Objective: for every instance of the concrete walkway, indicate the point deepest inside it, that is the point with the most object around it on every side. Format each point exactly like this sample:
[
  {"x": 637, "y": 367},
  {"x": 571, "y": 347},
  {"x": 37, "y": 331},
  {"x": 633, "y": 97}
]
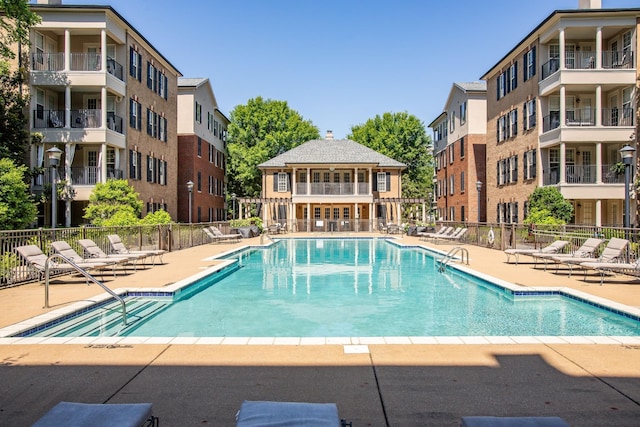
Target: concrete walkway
[{"x": 390, "y": 385}]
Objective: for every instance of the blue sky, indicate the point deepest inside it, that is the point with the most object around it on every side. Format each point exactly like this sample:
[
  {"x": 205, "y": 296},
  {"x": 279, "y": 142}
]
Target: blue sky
[{"x": 337, "y": 62}]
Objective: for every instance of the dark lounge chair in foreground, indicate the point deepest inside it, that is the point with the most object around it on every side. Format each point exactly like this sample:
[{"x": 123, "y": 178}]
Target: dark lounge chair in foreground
[
  {"x": 36, "y": 261},
  {"x": 71, "y": 414}
]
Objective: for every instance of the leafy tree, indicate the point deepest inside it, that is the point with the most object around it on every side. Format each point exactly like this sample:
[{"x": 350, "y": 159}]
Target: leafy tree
[
  {"x": 17, "y": 206},
  {"x": 402, "y": 137},
  {"x": 157, "y": 217},
  {"x": 113, "y": 197},
  {"x": 259, "y": 131},
  {"x": 16, "y": 18},
  {"x": 548, "y": 206}
]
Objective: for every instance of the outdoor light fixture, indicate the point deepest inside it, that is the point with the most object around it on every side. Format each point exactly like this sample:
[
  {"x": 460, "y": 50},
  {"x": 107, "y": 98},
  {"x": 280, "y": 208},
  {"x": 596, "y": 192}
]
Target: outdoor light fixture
[
  {"x": 627, "y": 153},
  {"x": 190, "y": 188},
  {"x": 54, "y": 154},
  {"x": 479, "y": 188}
]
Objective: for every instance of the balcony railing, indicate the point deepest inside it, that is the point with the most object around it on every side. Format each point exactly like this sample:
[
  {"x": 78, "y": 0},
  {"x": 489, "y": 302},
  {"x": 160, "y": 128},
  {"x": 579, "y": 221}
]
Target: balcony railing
[
  {"x": 47, "y": 61},
  {"x": 48, "y": 118},
  {"x": 78, "y": 62},
  {"x": 587, "y": 60},
  {"x": 114, "y": 123},
  {"x": 582, "y": 174},
  {"x": 86, "y": 118},
  {"x": 90, "y": 175},
  {"x": 332, "y": 189},
  {"x": 586, "y": 117},
  {"x": 79, "y": 119}
]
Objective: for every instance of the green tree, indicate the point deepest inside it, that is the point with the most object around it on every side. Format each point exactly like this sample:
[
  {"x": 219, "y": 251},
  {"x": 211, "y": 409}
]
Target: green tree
[
  {"x": 17, "y": 206},
  {"x": 114, "y": 200},
  {"x": 548, "y": 206},
  {"x": 156, "y": 218},
  {"x": 16, "y": 19},
  {"x": 402, "y": 137},
  {"x": 259, "y": 131}
]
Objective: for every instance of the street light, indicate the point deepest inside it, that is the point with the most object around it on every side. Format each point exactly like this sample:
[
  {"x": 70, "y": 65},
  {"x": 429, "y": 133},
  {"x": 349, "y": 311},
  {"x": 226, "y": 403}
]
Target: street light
[
  {"x": 190, "y": 188},
  {"x": 627, "y": 153},
  {"x": 233, "y": 206},
  {"x": 54, "y": 154},
  {"x": 479, "y": 188}
]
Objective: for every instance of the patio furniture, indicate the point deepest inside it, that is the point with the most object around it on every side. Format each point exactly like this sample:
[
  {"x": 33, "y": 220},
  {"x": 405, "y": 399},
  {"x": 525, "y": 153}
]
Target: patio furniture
[
  {"x": 36, "y": 261},
  {"x": 217, "y": 235},
  {"x": 554, "y": 247},
  {"x": 586, "y": 250},
  {"x": 63, "y": 248},
  {"x": 119, "y": 248},
  {"x": 615, "y": 248},
  {"x": 442, "y": 232},
  {"x": 630, "y": 268},
  {"x": 94, "y": 252},
  {"x": 264, "y": 413},
  {"x": 454, "y": 237},
  {"x": 71, "y": 414}
]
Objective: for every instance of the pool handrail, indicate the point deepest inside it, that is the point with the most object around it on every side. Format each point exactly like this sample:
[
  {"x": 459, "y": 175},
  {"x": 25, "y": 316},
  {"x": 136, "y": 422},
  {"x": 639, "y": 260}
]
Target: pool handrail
[{"x": 84, "y": 273}]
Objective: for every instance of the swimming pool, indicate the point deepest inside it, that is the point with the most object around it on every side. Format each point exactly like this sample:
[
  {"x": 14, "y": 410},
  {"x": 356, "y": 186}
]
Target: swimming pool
[{"x": 343, "y": 288}]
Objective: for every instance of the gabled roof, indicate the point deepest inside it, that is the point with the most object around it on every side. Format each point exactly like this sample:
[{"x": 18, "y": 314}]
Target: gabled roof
[
  {"x": 331, "y": 151},
  {"x": 191, "y": 81},
  {"x": 472, "y": 86}
]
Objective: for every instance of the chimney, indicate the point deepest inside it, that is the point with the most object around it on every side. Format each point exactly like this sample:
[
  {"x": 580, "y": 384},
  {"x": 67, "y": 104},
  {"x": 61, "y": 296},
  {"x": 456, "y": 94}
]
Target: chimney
[
  {"x": 329, "y": 136},
  {"x": 51, "y": 2},
  {"x": 589, "y": 4}
]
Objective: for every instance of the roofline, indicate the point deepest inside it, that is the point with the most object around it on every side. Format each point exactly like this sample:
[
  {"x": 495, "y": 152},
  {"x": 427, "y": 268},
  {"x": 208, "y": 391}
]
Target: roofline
[
  {"x": 444, "y": 113},
  {"x": 105, "y": 8},
  {"x": 223, "y": 115},
  {"x": 203, "y": 80},
  {"x": 547, "y": 19}
]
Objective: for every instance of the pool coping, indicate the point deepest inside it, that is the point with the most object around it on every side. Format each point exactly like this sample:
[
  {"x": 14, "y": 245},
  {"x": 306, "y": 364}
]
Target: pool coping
[{"x": 7, "y": 333}]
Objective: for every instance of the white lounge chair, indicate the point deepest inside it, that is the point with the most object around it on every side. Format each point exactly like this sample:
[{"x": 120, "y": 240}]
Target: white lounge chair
[
  {"x": 614, "y": 250},
  {"x": 63, "y": 248},
  {"x": 264, "y": 413},
  {"x": 629, "y": 268},
  {"x": 98, "y": 415},
  {"x": 95, "y": 252},
  {"x": 119, "y": 248},
  {"x": 217, "y": 236},
  {"x": 36, "y": 261},
  {"x": 454, "y": 237},
  {"x": 554, "y": 247},
  {"x": 586, "y": 250},
  {"x": 447, "y": 231}
]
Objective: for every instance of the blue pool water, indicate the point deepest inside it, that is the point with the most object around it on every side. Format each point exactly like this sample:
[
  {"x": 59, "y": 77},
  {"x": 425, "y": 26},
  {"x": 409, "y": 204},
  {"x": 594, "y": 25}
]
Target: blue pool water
[{"x": 349, "y": 287}]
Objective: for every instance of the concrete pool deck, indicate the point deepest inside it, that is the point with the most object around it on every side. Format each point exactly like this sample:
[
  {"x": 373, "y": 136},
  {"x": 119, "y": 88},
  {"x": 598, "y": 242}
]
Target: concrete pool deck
[{"x": 387, "y": 385}]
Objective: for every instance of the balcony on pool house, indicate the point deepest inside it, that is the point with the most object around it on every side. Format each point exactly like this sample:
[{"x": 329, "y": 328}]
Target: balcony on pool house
[{"x": 335, "y": 184}]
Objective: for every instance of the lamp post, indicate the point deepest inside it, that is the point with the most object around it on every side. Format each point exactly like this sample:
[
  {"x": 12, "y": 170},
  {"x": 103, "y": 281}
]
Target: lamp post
[
  {"x": 233, "y": 205},
  {"x": 54, "y": 154},
  {"x": 627, "y": 153},
  {"x": 190, "y": 188},
  {"x": 479, "y": 188}
]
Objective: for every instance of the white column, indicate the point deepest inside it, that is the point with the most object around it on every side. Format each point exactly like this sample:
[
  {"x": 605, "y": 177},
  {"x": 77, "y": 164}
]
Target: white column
[
  {"x": 103, "y": 106},
  {"x": 598, "y": 48},
  {"x": 67, "y": 107},
  {"x": 308, "y": 184},
  {"x": 563, "y": 167},
  {"x": 355, "y": 180},
  {"x": 562, "y": 51},
  {"x": 103, "y": 163},
  {"x": 598, "y": 213},
  {"x": 103, "y": 50},
  {"x": 598, "y": 162},
  {"x": 598, "y": 111},
  {"x": 563, "y": 106},
  {"x": 67, "y": 50}
]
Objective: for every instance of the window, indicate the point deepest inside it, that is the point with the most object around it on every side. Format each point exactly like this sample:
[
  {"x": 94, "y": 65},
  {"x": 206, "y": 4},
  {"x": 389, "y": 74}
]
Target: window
[
  {"x": 199, "y": 181},
  {"x": 336, "y": 213},
  {"x": 502, "y": 85},
  {"x": 199, "y": 147},
  {"x": 152, "y": 77},
  {"x": 198, "y": 112},
  {"x": 463, "y": 113},
  {"x": 162, "y": 134},
  {"x": 382, "y": 181},
  {"x": 283, "y": 182},
  {"x": 152, "y": 123},
  {"x": 462, "y": 212},
  {"x": 451, "y": 153},
  {"x": 452, "y": 184},
  {"x": 513, "y": 123},
  {"x": 501, "y": 128},
  {"x": 501, "y": 172},
  {"x": 135, "y": 160},
  {"x": 162, "y": 174},
  {"x": 135, "y": 64},
  {"x": 529, "y": 164},
  {"x": 462, "y": 147},
  {"x": 150, "y": 169},
  {"x": 530, "y": 64},
  {"x": 513, "y": 77},
  {"x": 452, "y": 121},
  {"x": 627, "y": 109},
  {"x": 346, "y": 213},
  {"x": 529, "y": 114},
  {"x": 135, "y": 114},
  {"x": 209, "y": 121},
  {"x": 215, "y": 128},
  {"x": 462, "y": 182},
  {"x": 211, "y": 150},
  {"x": 513, "y": 169}
]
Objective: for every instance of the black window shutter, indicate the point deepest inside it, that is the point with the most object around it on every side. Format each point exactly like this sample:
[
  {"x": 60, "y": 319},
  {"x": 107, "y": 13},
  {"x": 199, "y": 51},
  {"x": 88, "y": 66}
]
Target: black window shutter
[
  {"x": 139, "y": 66},
  {"x": 149, "y": 122},
  {"x": 132, "y": 71},
  {"x": 132, "y": 170},
  {"x": 156, "y": 172},
  {"x": 155, "y": 122},
  {"x": 166, "y": 172},
  {"x": 388, "y": 181},
  {"x": 139, "y": 168},
  {"x": 498, "y": 173},
  {"x": 534, "y": 61},
  {"x": 275, "y": 181},
  {"x": 288, "y": 181},
  {"x": 515, "y": 172},
  {"x": 149, "y": 83},
  {"x": 166, "y": 87},
  {"x": 515, "y": 82},
  {"x": 139, "y": 127},
  {"x": 132, "y": 117},
  {"x": 149, "y": 167},
  {"x": 375, "y": 182}
]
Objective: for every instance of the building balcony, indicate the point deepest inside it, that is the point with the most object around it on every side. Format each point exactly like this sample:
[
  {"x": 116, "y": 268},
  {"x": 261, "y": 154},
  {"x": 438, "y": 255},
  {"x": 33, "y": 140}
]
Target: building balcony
[
  {"x": 617, "y": 60},
  {"x": 609, "y": 117},
  {"x": 85, "y": 118},
  {"x": 55, "y": 62},
  {"x": 332, "y": 189},
  {"x": 583, "y": 174}
]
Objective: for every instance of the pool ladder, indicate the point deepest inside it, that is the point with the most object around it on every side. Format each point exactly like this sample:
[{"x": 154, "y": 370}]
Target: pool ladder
[
  {"x": 89, "y": 277},
  {"x": 450, "y": 255}
]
